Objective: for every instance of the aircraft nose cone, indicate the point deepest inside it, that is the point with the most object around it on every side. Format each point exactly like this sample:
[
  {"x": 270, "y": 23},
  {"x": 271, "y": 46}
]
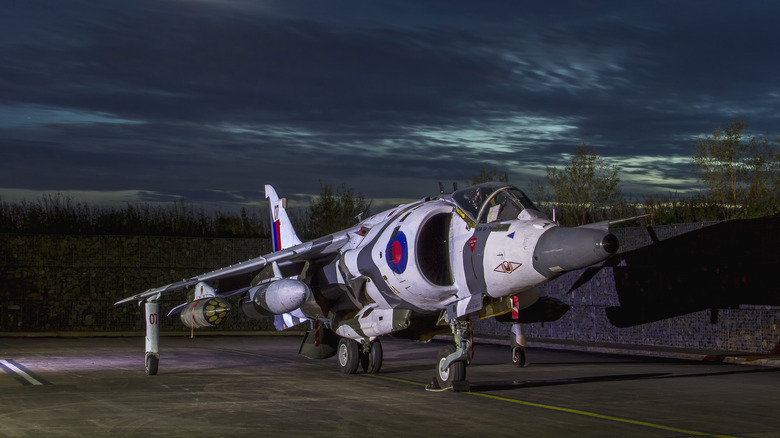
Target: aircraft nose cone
[{"x": 563, "y": 249}]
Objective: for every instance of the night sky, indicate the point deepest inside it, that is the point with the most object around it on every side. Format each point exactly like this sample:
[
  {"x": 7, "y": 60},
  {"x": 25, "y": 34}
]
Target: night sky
[{"x": 157, "y": 100}]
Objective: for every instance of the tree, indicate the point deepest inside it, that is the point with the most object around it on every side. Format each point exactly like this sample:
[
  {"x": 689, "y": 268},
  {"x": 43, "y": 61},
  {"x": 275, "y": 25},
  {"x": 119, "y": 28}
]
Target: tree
[
  {"x": 488, "y": 175},
  {"x": 741, "y": 171},
  {"x": 584, "y": 189},
  {"x": 331, "y": 212}
]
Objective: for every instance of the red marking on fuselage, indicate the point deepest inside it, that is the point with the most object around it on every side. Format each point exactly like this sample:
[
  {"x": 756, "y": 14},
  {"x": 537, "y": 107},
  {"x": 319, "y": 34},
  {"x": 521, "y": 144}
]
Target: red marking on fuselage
[{"x": 396, "y": 252}]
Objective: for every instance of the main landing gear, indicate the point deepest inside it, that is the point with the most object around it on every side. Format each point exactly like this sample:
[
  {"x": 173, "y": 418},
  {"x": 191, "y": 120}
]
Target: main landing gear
[
  {"x": 453, "y": 360},
  {"x": 352, "y": 354}
]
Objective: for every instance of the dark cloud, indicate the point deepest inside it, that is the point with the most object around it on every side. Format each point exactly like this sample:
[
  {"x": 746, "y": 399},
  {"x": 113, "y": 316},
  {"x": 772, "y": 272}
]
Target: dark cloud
[{"x": 208, "y": 100}]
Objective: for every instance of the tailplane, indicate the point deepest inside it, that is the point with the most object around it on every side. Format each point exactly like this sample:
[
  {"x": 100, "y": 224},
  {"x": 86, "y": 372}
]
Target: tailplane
[{"x": 282, "y": 232}]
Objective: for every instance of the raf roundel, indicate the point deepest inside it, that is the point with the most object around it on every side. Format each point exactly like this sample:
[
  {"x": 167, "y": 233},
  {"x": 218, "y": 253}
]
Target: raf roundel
[{"x": 397, "y": 253}]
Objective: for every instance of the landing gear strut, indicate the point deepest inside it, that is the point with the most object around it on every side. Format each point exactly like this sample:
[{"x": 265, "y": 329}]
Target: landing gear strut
[
  {"x": 453, "y": 360},
  {"x": 518, "y": 346},
  {"x": 352, "y": 354},
  {"x": 152, "y": 357}
]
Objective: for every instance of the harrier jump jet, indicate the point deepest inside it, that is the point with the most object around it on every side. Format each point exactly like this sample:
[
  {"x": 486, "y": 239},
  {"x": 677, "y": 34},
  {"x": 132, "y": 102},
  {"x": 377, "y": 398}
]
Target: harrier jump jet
[{"x": 414, "y": 271}]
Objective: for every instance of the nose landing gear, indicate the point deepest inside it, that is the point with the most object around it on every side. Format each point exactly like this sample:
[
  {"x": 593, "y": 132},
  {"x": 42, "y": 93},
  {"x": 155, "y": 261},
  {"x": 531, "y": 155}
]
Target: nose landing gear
[{"x": 453, "y": 360}]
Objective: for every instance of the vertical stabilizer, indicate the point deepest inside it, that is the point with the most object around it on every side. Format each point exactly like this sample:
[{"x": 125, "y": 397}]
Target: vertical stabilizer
[{"x": 282, "y": 232}]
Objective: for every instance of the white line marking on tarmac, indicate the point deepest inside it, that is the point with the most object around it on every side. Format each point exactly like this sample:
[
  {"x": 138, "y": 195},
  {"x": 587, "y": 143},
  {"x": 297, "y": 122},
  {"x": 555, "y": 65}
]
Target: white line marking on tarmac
[{"x": 20, "y": 372}]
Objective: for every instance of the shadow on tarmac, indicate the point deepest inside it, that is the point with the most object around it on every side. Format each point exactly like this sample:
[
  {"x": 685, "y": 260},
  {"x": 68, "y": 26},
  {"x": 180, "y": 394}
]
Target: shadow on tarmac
[{"x": 519, "y": 384}]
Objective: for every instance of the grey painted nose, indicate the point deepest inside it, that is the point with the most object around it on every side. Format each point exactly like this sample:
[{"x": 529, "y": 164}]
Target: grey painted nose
[{"x": 563, "y": 249}]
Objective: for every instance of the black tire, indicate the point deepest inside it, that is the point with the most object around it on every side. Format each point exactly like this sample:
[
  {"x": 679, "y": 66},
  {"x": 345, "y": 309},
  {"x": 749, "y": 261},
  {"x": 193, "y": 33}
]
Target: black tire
[
  {"x": 152, "y": 364},
  {"x": 518, "y": 357},
  {"x": 455, "y": 373},
  {"x": 348, "y": 353},
  {"x": 372, "y": 362}
]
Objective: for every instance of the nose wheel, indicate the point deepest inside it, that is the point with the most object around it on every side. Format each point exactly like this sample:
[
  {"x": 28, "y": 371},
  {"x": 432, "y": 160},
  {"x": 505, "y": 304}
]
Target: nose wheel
[
  {"x": 453, "y": 359},
  {"x": 455, "y": 372}
]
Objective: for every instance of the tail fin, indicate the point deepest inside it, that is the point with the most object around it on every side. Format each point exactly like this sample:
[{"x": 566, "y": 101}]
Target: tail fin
[{"x": 282, "y": 232}]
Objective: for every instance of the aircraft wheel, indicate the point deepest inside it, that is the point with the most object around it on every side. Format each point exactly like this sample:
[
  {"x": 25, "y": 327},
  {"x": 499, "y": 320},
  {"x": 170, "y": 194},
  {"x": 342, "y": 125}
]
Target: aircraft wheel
[
  {"x": 348, "y": 353},
  {"x": 152, "y": 363},
  {"x": 518, "y": 357},
  {"x": 455, "y": 373},
  {"x": 372, "y": 361}
]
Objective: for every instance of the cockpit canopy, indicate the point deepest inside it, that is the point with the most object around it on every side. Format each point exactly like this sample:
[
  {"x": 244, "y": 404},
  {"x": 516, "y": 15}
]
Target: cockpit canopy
[{"x": 494, "y": 202}]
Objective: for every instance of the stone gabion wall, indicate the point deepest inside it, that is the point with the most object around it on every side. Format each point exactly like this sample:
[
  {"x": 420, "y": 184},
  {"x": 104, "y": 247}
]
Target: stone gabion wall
[
  {"x": 754, "y": 329},
  {"x": 70, "y": 283}
]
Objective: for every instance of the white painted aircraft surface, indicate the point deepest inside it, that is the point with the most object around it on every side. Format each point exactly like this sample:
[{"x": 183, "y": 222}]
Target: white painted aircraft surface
[{"x": 414, "y": 271}]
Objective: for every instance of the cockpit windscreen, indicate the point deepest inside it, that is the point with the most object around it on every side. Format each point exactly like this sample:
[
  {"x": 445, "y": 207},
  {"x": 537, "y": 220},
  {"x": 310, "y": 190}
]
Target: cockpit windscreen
[{"x": 491, "y": 202}]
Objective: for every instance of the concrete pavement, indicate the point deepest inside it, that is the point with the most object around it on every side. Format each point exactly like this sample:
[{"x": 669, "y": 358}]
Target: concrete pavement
[{"x": 259, "y": 386}]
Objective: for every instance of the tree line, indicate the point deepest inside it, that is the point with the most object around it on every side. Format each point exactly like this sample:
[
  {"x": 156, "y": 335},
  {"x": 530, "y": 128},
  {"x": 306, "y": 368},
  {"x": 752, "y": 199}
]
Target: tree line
[
  {"x": 740, "y": 173},
  {"x": 61, "y": 214},
  {"x": 334, "y": 209}
]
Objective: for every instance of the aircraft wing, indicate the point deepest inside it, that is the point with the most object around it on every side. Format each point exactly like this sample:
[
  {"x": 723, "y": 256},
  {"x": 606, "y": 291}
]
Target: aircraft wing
[
  {"x": 604, "y": 225},
  {"x": 304, "y": 251}
]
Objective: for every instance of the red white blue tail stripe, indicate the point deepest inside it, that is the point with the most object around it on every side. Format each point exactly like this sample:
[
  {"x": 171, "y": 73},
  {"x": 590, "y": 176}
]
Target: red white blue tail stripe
[
  {"x": 276, "y": 230},
  {"x": 282, "y": 233}
]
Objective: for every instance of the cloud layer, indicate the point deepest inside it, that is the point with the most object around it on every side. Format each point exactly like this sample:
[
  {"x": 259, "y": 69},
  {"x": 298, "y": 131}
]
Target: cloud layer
[{"x": 210, "y": 100}]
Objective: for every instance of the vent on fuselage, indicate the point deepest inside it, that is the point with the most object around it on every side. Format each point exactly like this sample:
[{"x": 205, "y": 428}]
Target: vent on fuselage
[{"x": 433, "y": 254}]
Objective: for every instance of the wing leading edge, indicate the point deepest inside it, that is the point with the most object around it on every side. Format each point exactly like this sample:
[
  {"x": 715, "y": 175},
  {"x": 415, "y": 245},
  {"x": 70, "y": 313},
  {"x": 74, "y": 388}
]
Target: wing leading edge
[{"x": 301, "y": 252}]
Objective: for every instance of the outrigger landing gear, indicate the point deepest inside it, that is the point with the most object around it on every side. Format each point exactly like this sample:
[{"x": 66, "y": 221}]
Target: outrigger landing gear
[
  {"x": 352, "y": 354},
  {"x": 152, "y": 317},
  {"x": 518, "y": 346},
  {"x": 453, "y": 360}
]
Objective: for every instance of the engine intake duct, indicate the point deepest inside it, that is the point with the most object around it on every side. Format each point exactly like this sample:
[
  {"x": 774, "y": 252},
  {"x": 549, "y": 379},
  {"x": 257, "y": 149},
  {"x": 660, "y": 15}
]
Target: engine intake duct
[{"x": 433, "y": 253}]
